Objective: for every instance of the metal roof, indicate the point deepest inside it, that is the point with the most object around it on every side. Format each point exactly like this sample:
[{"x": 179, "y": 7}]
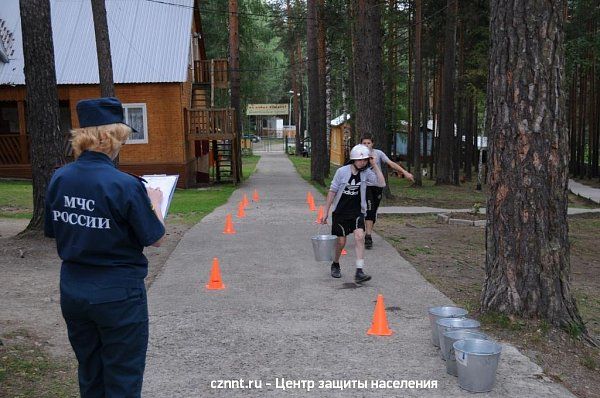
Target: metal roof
[
  {"x": 340, "y": 119},
  {"x": 150, "y": 41}
]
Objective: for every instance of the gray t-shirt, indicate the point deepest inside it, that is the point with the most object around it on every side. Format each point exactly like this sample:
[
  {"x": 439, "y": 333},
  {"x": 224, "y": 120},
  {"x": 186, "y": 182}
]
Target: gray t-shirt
[{"x": 381, "y": 158}]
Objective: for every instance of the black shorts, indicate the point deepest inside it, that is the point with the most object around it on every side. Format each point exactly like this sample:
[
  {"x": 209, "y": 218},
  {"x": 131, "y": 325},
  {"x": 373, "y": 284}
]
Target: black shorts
[
  {"x": 373, "y": 199},
  {"x": 344, "y": 225}
]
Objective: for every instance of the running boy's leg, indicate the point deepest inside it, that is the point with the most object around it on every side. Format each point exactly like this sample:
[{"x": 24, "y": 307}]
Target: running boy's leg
[
  {"x": 359, "y": 238},
  {"x": 340, "y": 244}
]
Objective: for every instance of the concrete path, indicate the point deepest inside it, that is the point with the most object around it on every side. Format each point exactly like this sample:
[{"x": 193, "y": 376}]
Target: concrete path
[
  {"x": 585, "y": 191},
  {"x": 283, "y": 319}
]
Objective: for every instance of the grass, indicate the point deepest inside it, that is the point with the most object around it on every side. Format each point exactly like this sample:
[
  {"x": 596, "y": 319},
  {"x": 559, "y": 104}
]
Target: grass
[
  {"x": 16, "y": 199},
  {"x": 302, "y": 166},
  {"x": 429, "y": 194},
  {"x": 27, "y": 371},
  {"x": 189, "y": 205},
  {"x": 464, "y": 196}
]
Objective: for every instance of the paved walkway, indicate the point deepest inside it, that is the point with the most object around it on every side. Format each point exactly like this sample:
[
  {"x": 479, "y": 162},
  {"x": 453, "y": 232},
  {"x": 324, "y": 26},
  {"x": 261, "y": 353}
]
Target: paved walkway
[
  {"x": 585, "y": 191},
  {"x": 283, "y": 317}
]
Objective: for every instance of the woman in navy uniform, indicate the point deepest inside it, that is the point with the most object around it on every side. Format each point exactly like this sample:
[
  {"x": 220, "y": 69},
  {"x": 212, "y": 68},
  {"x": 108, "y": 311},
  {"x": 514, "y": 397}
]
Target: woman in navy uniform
[{"x": 102, "y": 219}]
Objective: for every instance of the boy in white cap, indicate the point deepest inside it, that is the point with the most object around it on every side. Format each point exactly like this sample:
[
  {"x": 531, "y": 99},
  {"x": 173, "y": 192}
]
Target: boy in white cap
[{"x": 347, "y": 195}]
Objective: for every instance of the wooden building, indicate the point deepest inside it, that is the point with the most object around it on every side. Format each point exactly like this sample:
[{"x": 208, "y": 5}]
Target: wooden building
[
  {"x": 339, "y": 139},
  {"x": 161, "y": 76}
]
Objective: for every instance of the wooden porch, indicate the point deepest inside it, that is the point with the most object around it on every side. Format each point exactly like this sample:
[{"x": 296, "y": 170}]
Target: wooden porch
[
  {"x": 213, "y": 72},
  {"x": 211, "y": 123},
  {"x": 218, "y": 127}
]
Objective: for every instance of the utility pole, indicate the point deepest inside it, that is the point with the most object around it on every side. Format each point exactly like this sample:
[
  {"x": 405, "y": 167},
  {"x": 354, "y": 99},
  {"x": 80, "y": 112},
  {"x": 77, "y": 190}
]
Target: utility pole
[
  {"x": 234, "y": 80},
  {"x": 105, "y": 71}
]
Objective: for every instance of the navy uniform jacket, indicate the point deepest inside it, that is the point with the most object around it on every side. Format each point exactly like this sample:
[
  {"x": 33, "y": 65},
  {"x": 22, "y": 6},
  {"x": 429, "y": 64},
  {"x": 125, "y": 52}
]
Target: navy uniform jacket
[{"x": 101, "y": 218}]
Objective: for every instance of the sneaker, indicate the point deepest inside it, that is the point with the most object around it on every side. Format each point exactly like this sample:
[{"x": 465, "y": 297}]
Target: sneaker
[
  {"x": 335, "y": 270},
  {"x": 368, "y": 242},
  {"x": 360, "y": 276}
]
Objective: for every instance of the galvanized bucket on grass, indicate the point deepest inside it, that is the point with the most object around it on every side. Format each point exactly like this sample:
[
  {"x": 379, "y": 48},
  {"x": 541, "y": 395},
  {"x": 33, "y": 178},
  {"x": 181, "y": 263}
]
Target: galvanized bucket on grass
[
  {"x": 436, "y": 313},
  {"x": 324, "y": 247},
  {"x": 451, "y": 337},
  {"x": 446, "y": 324},
  {"x": 476, "y": 363}
]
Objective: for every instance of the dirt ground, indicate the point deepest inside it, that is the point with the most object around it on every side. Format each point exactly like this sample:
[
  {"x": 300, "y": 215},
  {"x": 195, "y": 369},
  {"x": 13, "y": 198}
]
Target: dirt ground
[
  {"x": 37, "y": 361},
  {"x": 452, "y": 258},
  {"x": 33, "y": 339}
]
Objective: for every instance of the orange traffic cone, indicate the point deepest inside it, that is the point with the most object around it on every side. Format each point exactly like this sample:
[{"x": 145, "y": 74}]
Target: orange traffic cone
[
  {"x": 311, "y": 204},
  {"x": 215, "y": 282},
  {"x": 241, "y": 213},
  {"x": 344, "y": 252},
  {"x": 379, "y": 327},
  {"x": 308, "y": 196},
  {"x": 319, "y": 215},
  {"x": 255, "y": 196},
  {"x": 245, "y": 201},
  {"x": 228, "y": 226}
]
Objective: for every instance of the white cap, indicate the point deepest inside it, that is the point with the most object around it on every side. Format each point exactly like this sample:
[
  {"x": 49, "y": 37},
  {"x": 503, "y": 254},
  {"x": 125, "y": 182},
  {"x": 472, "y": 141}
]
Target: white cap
[{"x": 360, "y": 151}]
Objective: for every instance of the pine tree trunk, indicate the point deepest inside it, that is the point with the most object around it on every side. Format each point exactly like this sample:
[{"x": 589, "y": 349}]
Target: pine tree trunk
[
  {"x": 322, "y": 62},
  {"x": 527, "y": 246},
  {"x": 469, "y": 139},
  {"x": 234, "y": 77},
  {"x": 105, "y": 71},
  {"x": 417, "y": 97},
  {"x": 298, "y": 98},
  {"x": 573, "y": 121},
  {"x": 447, "y": 144},
  {"x": 425, "y": 115},
  {"x": 369, "y": 74},
  {"x": 46, "y": 140},
  {"x": 317, "y": 134}
]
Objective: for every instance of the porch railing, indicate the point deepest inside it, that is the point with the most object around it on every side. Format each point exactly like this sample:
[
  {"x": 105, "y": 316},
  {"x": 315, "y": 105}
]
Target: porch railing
[
  {"x": 14, "y": 148},
  {"x": 211, "y": 124},
  {"x": 212, "y": 71}
]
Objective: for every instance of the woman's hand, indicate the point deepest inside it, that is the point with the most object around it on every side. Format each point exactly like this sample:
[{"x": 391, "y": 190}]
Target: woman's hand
[{"x": 156, "y": 196}]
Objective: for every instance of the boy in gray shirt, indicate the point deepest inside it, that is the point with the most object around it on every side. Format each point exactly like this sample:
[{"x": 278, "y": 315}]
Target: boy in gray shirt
[
  {"x": 374, "y": 193},
  {"x": 347, "y": 195}
]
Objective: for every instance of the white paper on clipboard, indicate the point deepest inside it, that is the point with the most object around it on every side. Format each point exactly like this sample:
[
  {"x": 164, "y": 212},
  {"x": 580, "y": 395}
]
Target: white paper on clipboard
[{"x": 166, "y": 183}]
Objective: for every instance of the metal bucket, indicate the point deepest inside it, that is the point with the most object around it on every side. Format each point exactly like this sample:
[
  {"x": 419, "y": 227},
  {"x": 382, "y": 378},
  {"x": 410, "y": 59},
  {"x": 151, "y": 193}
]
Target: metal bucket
[
  {"x": 324, "y": 247},
  {"x": 452, "y": 337},
  {"x": 476, "y": 363},
  {"x": 446, "y": 324},
  {"x": 436, "y": 313}
]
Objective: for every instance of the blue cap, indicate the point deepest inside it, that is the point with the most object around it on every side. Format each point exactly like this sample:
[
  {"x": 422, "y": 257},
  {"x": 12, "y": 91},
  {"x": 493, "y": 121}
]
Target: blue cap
[{"x": 100, "y": 111}]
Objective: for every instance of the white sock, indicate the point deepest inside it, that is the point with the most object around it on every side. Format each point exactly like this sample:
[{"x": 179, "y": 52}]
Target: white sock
[{"x": 360, "y": 263}]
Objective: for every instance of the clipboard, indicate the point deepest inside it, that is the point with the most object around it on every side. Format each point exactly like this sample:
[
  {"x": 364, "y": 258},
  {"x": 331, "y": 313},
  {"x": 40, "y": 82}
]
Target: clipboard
[{"x": 166, "y": 183}]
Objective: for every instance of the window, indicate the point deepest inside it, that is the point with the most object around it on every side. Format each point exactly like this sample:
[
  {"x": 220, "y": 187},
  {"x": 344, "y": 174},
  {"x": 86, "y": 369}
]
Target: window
[
  {"x": 9, "y": 118},
  {"x": 136, "y": 117}
]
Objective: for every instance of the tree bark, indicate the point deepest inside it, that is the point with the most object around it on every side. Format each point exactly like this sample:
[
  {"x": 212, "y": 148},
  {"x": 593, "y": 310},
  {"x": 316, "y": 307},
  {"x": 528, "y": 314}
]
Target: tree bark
[
  {"x": 105, "y": 70},
  {"x": 317, "y": 134},
  {"x": 369, "y": 74},
  {"x": 469, "y": 130},
  {"x": 322, "y": 62},
  {"x": 444, "y": 162},
  {"x": 527, "y": 247},
  {"x": 298, "y": 98},
  {"x": 46, "y": 140},
  {"x": 417, "y": 97},
  {"x": 234, "y": 81}
]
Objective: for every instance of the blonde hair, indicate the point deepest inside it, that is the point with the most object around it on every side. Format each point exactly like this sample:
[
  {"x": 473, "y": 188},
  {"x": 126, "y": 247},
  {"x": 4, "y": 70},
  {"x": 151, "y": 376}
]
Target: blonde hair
[{"x": 107, "y": 138}]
